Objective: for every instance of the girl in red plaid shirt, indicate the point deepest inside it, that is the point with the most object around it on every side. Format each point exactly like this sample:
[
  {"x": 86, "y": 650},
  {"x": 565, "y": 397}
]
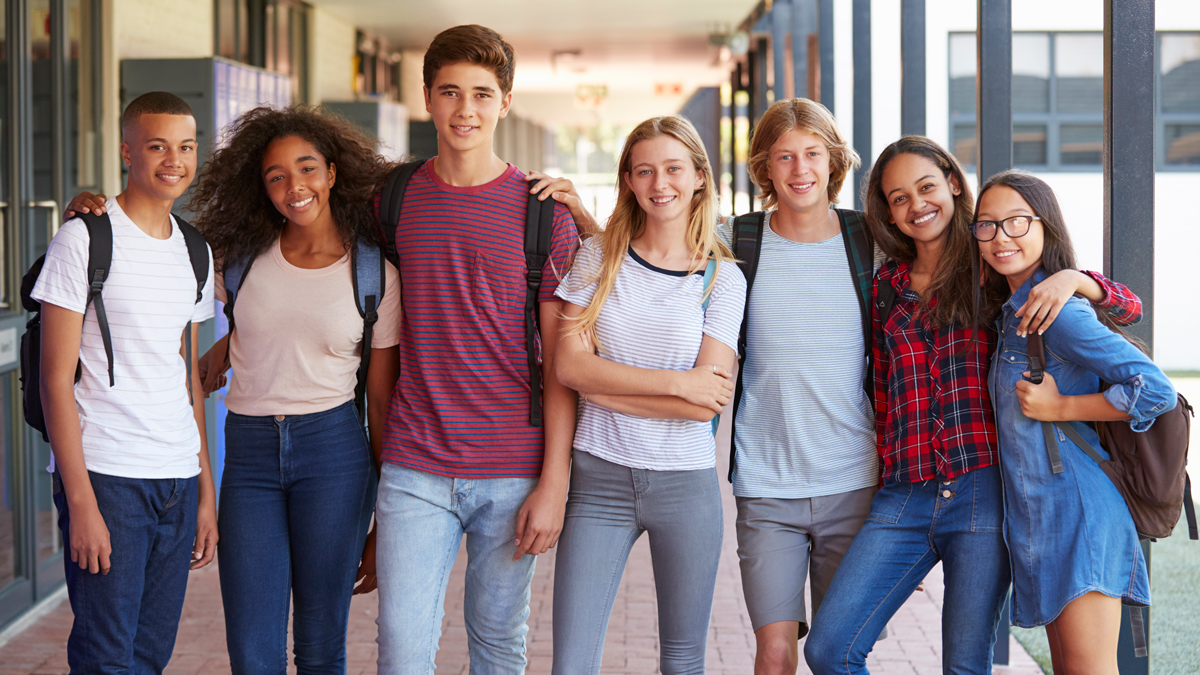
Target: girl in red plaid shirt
[{"x": 940, "y": 497}]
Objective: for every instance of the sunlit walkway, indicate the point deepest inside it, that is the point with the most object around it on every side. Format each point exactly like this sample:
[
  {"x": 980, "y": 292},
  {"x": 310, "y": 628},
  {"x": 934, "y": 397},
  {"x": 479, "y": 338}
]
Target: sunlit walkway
[{"x": 631, "y": 647}]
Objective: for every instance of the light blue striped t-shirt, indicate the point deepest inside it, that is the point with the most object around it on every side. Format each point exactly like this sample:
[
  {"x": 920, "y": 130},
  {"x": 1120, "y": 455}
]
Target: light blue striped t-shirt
[{"x": 804, "y": 424}]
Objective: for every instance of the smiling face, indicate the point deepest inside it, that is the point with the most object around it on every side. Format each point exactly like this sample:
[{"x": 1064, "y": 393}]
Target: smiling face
[
  {"x": 466, "y": 102},
  {"x": 920, "y": 197},
  {"x": 298, "y": 179},
  {"x": 160, "y": 151},
  {"x": 663, "y": 178},
  {"x": 798, "y": 168},
  {"x": 1015, "y": 258}
]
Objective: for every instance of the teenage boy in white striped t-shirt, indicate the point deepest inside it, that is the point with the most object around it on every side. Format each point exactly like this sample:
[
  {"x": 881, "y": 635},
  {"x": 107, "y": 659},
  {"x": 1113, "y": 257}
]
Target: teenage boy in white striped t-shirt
[{"x": 131, "y": 471}]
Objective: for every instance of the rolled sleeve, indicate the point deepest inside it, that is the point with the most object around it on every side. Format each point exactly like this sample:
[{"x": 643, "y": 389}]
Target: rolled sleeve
[
  {"x": 1139, "y": 388},
  {"x": 1119, "y": 303}
]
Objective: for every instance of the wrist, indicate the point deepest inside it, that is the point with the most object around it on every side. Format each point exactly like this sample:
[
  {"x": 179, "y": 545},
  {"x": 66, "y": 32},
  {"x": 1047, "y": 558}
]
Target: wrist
[
  {"x": 674, "y": 383},
  {"x": 1062, "y": 409}
]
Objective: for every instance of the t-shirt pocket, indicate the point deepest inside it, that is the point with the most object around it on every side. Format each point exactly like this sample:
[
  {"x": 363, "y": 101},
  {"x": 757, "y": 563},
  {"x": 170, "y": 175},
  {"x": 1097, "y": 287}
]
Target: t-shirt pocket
[{"x": 493, "y": 283}]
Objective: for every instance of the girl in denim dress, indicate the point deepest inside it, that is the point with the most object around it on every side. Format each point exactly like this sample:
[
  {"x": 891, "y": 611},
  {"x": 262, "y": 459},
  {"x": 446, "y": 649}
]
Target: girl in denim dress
[{"x": 1074, "y": 550}]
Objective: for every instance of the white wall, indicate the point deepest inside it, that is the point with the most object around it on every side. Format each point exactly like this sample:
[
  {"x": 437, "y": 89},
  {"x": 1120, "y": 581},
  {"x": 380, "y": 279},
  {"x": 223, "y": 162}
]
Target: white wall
[
  {"x": 163, "y": 28},
  {"x": 331, "y": 52},
  {"x": 1177, "y": 234}
]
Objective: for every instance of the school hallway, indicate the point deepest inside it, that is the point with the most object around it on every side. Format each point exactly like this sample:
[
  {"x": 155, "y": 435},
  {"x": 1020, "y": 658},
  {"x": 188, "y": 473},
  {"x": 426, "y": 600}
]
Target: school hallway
[{"x": 631, "y": 648}]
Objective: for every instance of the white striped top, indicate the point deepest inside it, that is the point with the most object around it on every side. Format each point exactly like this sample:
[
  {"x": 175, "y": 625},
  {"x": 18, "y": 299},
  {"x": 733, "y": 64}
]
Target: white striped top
[
  {"x": 143, "y": 426},
  {"x": 653, "y": 318},
  {"x": 805, "y": 427}
]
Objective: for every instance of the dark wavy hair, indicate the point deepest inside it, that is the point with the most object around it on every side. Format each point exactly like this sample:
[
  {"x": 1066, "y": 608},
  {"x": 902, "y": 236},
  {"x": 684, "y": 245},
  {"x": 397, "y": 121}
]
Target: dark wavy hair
[
  {"x": 236, "y": 215},
  {"x": 953, "y": 282}
]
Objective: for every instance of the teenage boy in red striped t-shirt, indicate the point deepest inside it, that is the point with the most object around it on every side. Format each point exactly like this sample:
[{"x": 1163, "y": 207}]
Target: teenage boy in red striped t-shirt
[{"x": 460, "y": 456}]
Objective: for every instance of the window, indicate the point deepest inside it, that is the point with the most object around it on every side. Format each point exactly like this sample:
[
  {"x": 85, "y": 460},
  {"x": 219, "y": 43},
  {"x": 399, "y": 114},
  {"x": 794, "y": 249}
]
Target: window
[
  {"x": 1179, "y": 100},
  {"x": 271, "y": 34},
  {"x": 1058, "y": 100},
  {"x": 377, "y": 68}
]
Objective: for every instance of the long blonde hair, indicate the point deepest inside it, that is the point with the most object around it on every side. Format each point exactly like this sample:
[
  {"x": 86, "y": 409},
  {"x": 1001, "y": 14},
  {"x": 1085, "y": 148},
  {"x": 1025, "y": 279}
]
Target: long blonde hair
[{"x": 628, "y": 220}]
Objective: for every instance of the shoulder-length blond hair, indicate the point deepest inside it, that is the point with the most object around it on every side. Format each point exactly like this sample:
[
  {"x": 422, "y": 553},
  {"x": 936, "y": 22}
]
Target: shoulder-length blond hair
[
  {"x": 779, "y": 120},
  {"x": 628, "y": 220}
]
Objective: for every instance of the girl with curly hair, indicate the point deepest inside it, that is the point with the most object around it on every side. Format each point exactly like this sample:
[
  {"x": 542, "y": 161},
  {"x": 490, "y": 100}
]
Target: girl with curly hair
[{"x": 287, "y": 199}]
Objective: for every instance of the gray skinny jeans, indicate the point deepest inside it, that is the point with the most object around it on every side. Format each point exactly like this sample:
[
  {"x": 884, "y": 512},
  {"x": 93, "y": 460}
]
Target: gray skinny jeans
[{"x": 608, "y": 508}]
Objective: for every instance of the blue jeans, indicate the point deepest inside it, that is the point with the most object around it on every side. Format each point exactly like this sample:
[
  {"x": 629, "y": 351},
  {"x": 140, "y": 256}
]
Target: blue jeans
[
  {"x": 125, "y": 621},
  {"x": 608, "y": 509},
  {"x": 911, "y": 526},
  {"x": 420, "y": 520},
  {"x": 296, "y": 500}
]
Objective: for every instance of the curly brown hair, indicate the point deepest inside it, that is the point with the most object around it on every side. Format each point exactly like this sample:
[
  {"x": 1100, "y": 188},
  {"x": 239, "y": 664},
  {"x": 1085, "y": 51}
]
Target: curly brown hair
[{"x": 236, "y": 215}]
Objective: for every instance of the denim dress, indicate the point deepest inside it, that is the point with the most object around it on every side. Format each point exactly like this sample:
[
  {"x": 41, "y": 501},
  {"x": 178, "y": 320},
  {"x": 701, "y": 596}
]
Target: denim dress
[{"x": 1069, "y": 533}]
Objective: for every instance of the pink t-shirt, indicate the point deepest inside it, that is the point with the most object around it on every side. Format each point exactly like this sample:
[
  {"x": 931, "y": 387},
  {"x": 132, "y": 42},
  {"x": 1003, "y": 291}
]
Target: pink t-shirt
[{"x": 296, "y": 347}]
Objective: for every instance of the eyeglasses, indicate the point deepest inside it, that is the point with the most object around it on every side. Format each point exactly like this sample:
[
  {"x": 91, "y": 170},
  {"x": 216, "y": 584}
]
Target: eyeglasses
[{"x": 1015, "y": 226}]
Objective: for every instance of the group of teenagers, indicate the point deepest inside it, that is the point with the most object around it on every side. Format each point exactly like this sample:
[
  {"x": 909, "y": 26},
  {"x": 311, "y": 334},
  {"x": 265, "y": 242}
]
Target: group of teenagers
[{"x": 876, "y": 432}]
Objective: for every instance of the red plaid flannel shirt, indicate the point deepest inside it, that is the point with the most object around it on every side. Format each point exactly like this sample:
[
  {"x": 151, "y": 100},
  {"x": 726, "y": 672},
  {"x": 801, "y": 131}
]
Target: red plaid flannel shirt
[{"x": 933, "y": 414}]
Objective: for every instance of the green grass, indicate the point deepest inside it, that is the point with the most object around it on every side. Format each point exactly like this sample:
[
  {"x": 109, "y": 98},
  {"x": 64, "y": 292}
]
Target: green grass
[
  {"x": 1174, "y": 618},
  {"x": 1182, "y": 373}
]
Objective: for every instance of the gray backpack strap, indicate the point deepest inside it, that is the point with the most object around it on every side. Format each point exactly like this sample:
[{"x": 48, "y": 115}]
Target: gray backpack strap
[
  {"x": 368, "y": 276},
  {"x": 1037, "y": 368}
]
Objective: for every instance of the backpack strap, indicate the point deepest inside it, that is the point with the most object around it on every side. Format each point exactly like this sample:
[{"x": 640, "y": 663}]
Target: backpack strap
[
  {"x": 1137, "y": 632},
  {"x": 539, "y": 232},
  {"x": 885, "y": 302},
  {"x": 1189, "y": 507},
  {"x": 1037, "y": 369},
  {"x": 710, "y": 271},
  {"x": 100, "y": 246},
  {"x": 198, "y": 255},
  {"x": 860, "y": 254},
  {"x": 390, "y": 200},
  {"x": 746, "y": 242},
  {"x": 367, "y": 263},
  {"x": 234, "y": 275}
]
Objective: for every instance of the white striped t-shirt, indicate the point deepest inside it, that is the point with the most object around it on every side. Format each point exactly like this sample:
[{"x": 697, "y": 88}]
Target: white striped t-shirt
[
  {"x": 143, "y": 426},
  {"x": 653, "y": 318},
  {"x": 805, "y": 427}
]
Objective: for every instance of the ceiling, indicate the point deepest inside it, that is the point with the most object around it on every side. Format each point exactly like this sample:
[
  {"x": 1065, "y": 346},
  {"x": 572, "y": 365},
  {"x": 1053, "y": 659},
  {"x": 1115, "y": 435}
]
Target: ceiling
[{"x": 648, "y": 56}]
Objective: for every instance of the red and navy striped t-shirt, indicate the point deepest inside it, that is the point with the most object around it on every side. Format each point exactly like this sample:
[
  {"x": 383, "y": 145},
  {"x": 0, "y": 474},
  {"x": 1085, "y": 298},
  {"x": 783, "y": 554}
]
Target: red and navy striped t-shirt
[{"x": 461, "y": 405}]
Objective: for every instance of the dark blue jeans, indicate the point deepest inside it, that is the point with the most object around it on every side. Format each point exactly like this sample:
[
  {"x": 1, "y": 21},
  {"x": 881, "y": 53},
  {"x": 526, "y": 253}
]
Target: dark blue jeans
[
  {"x": 911, "y": 526},
  {"x": 297, "y": 494},
  {"x": 125, "y": 621}
]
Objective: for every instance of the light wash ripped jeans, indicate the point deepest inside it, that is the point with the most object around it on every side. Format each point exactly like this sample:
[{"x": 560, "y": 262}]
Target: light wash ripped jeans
[{"x": 421, "y": 519}]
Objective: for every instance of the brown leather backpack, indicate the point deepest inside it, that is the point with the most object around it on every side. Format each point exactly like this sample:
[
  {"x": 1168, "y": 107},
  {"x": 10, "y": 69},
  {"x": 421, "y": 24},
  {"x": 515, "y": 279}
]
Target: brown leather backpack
[{"x": 1148, "y": 468}]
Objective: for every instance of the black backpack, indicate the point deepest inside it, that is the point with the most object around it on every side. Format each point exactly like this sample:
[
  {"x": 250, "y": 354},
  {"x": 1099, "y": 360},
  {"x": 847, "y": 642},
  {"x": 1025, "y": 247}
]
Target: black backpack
[
  {"x": 539, "y": 231},
  {"x": 99, "y": 263},
  {"x": 860, "y": 255}
]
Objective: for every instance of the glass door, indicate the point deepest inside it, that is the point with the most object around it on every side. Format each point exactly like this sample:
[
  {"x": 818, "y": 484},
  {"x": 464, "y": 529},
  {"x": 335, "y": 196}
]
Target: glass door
[{"x": 49, "y": 117}]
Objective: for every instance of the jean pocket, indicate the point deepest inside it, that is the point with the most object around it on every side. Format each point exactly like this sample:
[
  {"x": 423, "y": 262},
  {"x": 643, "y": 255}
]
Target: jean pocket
[
  {"x": 889, "y": 502},
  {"x": 987, "y": 504}
]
